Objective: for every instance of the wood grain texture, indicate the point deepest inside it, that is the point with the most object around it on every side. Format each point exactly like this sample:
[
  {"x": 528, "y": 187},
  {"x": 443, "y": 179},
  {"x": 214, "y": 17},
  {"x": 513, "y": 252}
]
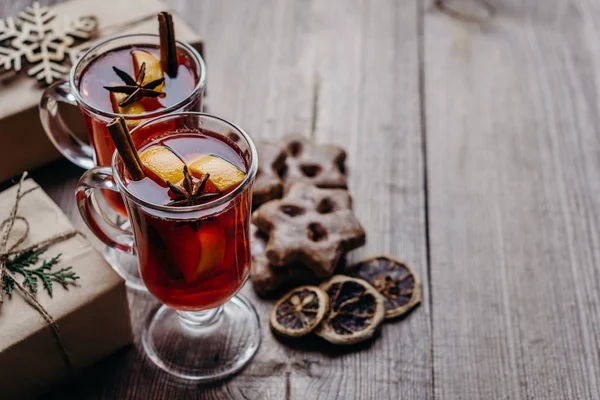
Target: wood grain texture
[
  {"x": 514, "y": 177},
  {"x": 344, "y": 72},
  {"x": 366, "y": 94}
]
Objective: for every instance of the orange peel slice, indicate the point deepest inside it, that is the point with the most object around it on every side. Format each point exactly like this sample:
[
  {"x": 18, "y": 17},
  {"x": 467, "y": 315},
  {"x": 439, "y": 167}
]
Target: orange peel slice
[
  {"x": 153, "y": 68},
  {"x": 163, "y": 163},
  {"x": 131, "y": 109},
  {"x": 223, "y": 175}
]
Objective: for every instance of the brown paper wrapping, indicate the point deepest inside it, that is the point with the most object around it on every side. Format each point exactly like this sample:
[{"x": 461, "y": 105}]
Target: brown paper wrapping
[
  {"x": 93, "y": 315},
  {"x": 20, "y": 125}
]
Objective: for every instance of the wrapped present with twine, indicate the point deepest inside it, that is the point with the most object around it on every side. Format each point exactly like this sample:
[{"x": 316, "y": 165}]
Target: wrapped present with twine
[{"x": 62, "y": 307}]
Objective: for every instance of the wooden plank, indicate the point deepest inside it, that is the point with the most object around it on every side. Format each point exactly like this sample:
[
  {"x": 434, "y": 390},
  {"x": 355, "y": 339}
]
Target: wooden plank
[
  {"x": 365, "y": 83},
  {"x": 513, "y": 172}
]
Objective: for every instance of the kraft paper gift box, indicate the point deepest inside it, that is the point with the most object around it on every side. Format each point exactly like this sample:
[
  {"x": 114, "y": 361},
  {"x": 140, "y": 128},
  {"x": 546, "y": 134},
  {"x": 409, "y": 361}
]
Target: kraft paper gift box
[
  {"x": 92, "y": 315},
  {"x": 20, "y": 126}
]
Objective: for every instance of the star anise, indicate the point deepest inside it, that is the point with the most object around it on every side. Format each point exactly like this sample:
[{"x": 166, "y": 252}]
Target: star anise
[
  {"x": 190, "y": 191},
  {"x": 133, "y": 87}
]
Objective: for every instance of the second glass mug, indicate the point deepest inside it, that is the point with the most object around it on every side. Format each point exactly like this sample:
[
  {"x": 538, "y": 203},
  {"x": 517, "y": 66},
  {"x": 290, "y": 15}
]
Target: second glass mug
[
  {"x": 205, "y": 331},
  {"x": 100, "y": 149}
]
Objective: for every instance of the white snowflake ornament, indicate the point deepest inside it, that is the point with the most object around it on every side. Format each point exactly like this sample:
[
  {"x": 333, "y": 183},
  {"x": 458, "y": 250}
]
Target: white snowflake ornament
[{"x": 37, "y": 37}]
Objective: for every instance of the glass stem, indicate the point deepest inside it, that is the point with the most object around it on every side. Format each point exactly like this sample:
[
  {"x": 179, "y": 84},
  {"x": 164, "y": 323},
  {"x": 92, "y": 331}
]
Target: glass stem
[{"x": 200, "y": 319}]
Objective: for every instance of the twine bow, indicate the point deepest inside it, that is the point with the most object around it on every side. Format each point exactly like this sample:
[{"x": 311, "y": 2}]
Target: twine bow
[{"x": 6, "y": 227}]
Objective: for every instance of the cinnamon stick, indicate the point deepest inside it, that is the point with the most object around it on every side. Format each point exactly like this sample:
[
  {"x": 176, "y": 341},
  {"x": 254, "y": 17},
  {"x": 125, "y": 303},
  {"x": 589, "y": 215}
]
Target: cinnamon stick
[
  {"x": 131, "y": 159},
  {"x": 168, "y": 47},
  {"x": 130, "y": 141}
]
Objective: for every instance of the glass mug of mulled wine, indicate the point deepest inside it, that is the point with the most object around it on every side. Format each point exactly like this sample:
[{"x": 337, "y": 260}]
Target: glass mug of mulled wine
[
  {"x": 122, "y": 77},
  {"x": 190, "y": 215}
]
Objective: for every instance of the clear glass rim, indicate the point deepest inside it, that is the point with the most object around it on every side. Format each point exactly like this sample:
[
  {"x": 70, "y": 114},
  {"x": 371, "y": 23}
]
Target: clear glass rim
[
  {"x": 250, "y": 174},
  {"x": 199, "y": 86}
]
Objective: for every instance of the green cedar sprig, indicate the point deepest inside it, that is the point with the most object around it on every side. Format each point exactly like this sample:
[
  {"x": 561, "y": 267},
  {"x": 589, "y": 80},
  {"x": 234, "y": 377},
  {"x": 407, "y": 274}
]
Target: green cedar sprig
[{"x": 23, "y": 264}]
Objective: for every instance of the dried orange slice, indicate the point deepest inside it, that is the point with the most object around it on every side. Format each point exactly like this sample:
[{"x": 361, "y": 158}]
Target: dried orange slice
[
  {"x": 299, "y": 311},
  {"x": 163, "y": 163},
  {"x": 223, "y": 174},
  {"x": 356, "y": 309},
  {"x": 396, "y": 281}
]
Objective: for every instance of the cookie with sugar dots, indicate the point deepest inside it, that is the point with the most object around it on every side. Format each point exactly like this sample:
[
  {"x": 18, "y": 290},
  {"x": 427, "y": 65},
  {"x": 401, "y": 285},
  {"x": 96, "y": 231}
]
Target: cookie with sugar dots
[{"x": 311, "y": 226}]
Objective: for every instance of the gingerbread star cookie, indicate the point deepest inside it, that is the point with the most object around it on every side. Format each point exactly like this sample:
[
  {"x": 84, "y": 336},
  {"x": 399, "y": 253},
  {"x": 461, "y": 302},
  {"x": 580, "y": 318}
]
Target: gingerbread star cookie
[
  {"x": 297, "y": 159},
  {"x": 264, "y": 279},
  {"x": 321, "y": 165},
  {"x": 311, "y": 226}
]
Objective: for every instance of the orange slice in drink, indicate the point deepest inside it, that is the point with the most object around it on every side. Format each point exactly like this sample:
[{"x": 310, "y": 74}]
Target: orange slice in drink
[
  {"x": 212, "y": 241},
  {"x": 153, "y": 68},
  {"x": 134, "y": 108},
  {"x": 163, "y": 163},
  {"x": 153, "y": 72},
  {"x": 223, "y": 175},
  {"x": 196, "y": 251},
  {"x": 184, "y": 250}
]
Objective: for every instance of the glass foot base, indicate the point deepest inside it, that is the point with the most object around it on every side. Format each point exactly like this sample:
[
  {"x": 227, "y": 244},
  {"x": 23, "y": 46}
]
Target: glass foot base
[{"x": 203, "y": 346}]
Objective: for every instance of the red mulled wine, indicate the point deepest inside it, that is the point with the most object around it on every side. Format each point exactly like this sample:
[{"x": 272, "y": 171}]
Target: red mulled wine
[{"x": 200, "y": 261}]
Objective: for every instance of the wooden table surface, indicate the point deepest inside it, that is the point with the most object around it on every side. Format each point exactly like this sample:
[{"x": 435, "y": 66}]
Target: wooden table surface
[{"x": 474, "y": 155}]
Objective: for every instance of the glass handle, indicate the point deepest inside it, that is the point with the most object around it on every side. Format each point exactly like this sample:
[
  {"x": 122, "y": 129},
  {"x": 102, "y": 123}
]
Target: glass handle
[
  {"x": 77, "y": 151},
  {"x": 109, "y": 233}
]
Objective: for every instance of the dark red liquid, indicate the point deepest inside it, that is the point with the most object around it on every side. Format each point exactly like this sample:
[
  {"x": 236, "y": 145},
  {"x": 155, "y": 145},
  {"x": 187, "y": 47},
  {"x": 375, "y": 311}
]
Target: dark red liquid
[
  {"x": 198, "y": 260},
  {"x": 100, "y": 73}
]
